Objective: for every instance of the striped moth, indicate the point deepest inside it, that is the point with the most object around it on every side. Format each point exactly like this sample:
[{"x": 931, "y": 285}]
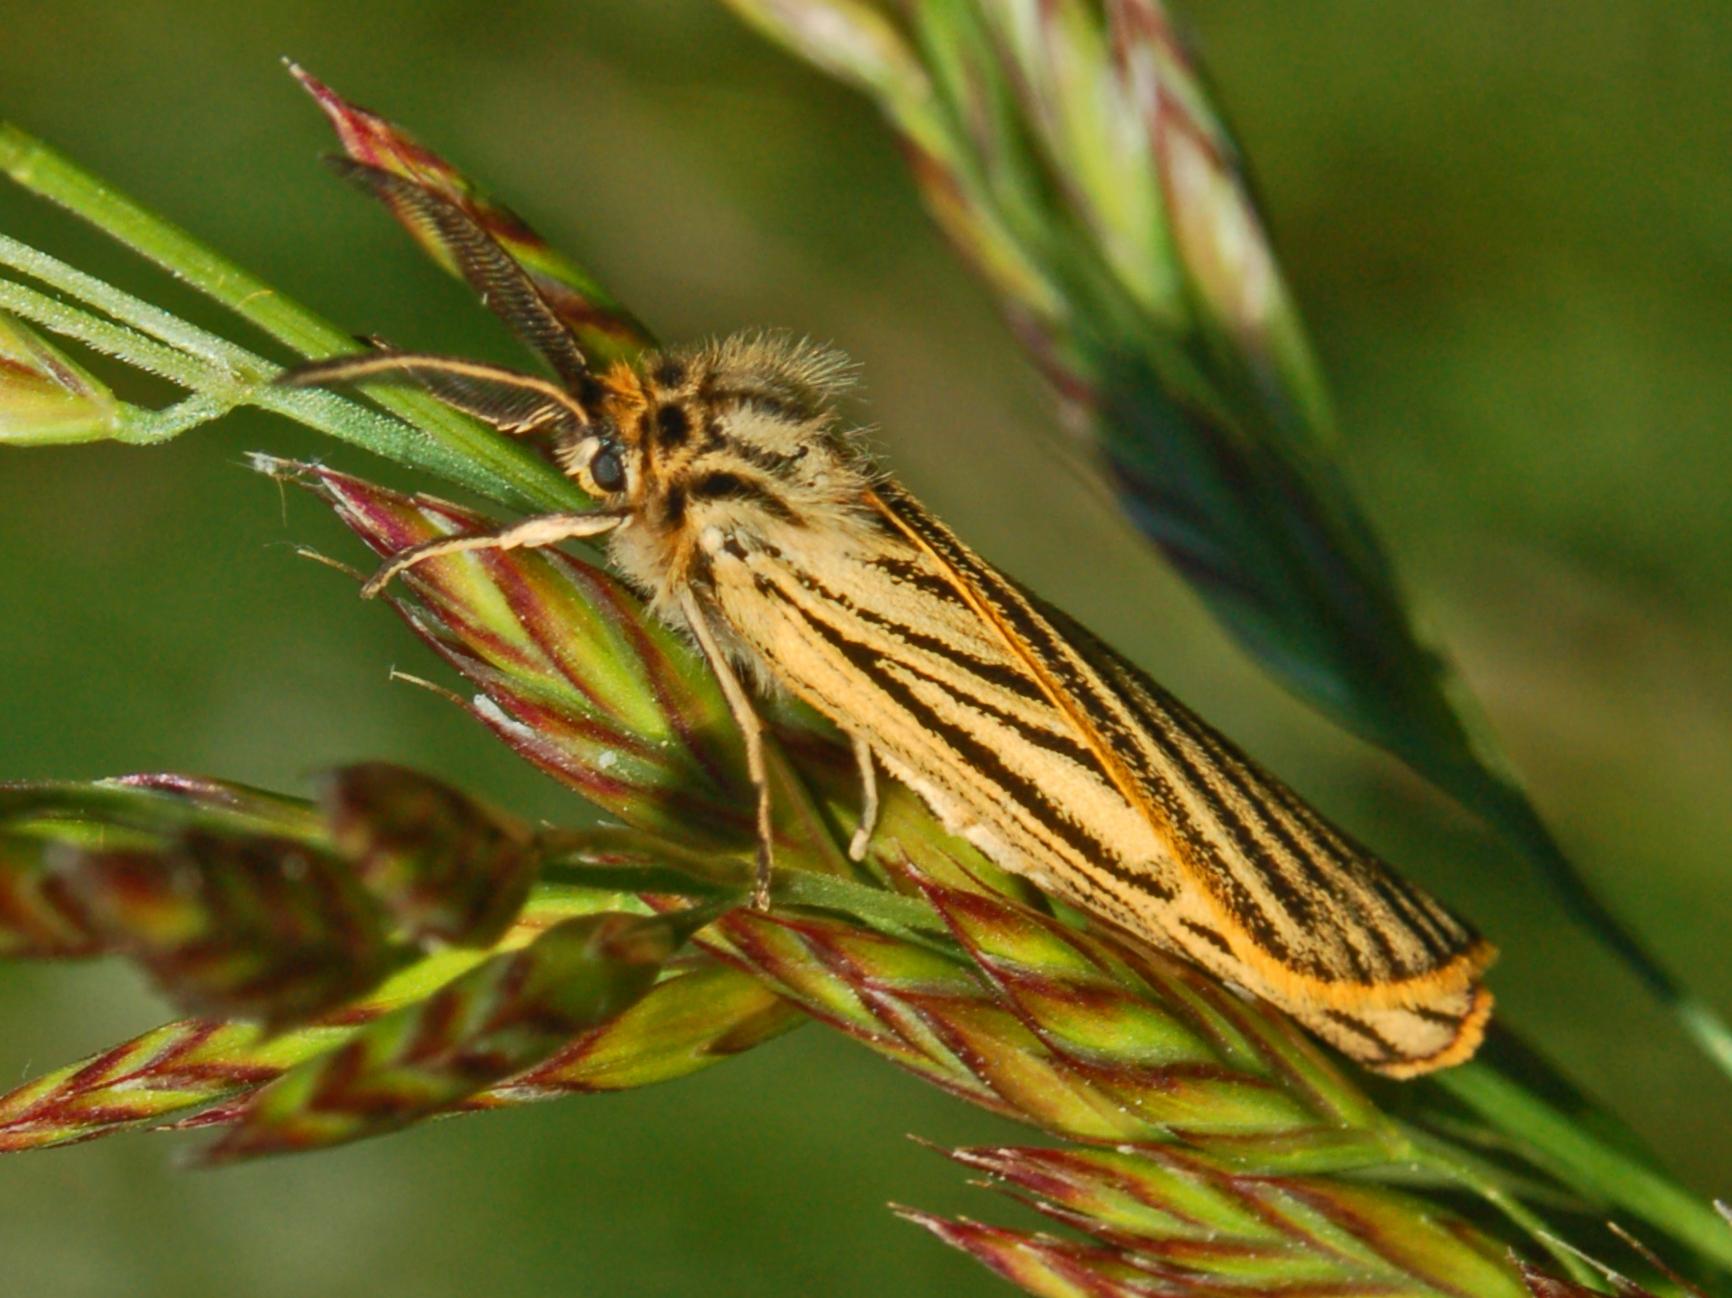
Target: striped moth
[{"x": 735, "y": 499}]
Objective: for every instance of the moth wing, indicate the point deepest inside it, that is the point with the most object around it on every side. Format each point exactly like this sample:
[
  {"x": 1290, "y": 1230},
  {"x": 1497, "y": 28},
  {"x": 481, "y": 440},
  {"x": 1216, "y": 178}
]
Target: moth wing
[{"x": 1295, "y": 909}]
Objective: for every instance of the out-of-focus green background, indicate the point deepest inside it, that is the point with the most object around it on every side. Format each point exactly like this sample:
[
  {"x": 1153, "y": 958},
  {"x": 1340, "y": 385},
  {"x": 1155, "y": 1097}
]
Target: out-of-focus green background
[{"x": 1512, "y": 229}]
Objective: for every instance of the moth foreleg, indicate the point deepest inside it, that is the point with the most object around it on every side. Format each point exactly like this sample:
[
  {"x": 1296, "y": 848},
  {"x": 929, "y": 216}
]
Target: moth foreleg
[
  {"x": 751, "y": 730},
  {"x": 868, "y": 798},
  {"x": 542, "y": 530}
]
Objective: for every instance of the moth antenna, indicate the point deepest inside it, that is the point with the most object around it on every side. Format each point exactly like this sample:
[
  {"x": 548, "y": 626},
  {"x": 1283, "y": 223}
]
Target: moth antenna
[
  {"x": 511, "y": 402},
  {"x": 505, "y": 287}
]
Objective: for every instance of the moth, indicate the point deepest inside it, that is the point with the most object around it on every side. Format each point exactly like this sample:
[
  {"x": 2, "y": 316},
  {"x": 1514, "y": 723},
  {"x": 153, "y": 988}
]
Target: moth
[{"x": 736, "y": 500}]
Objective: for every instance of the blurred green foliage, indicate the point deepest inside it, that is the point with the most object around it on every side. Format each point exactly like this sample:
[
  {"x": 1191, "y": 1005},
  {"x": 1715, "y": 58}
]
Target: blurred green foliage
[{"x": 1511, "y": 227}]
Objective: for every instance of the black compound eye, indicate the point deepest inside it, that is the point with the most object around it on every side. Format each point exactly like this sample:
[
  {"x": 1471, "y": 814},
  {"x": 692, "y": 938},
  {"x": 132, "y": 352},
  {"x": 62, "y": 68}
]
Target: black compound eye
[{"x": 606, "y": 469}]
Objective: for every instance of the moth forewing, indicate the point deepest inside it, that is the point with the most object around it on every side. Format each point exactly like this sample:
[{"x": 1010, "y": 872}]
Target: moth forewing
[
  {"x": 1064, "y": 764},
  {"x": 1268, "y": 895}
]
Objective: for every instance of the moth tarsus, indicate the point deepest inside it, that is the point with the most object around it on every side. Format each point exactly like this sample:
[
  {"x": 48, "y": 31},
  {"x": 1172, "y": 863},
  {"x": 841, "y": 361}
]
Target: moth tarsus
[{"x": 744, "y": 509}]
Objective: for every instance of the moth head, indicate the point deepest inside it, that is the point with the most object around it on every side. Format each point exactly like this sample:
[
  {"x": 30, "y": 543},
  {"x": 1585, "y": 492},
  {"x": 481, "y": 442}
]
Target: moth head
[{"x": 717, "y": 449}]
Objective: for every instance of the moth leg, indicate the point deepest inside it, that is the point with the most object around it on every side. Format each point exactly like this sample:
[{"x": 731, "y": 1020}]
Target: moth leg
[
  {"x": 544, "y": 529},
  {"x": 868, "y": 799},
  {"x": 751, "y": 729}
]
